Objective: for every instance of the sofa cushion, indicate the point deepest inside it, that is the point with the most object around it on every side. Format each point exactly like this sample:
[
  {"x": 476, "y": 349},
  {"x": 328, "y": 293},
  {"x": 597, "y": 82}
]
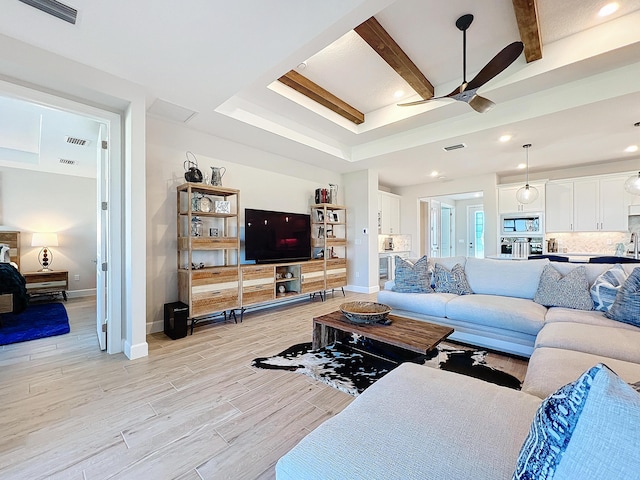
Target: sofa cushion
[
  {"x": 588, "y": 429},
  {"x": 593, "y": 270},
  {"x": 626, "y": 307},
  {"x": 417, "y": 423},
  {"x": 424, "y": 303},
  {"x": 502, "y": 277},
  {"x": 447, "y": 262},
  {"x": 451, "y": 281},
  {"x": 591, "y": 317},
  {"x": 509, "y": 313},
  {"x": 571, "y": 290},
  {"x": 550, "y": 368},
  {"x": 412, "y": 277},
  {"x": 606, "y": 286},
  {"x": 597, "y": 340}
]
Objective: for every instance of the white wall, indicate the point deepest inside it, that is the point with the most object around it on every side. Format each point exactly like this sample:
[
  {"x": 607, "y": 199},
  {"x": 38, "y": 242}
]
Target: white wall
[
  {"x": 409, "y": 203},
  {"x": 166, "y": 147},
  {"x": 361, "y": 197},
  {"x": 32, "y": 201}
]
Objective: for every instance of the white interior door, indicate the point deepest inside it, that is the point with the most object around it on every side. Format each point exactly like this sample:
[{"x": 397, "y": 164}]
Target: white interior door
[
  {"x": 447, "y": 230},
  {"x": 434, "y": 228},
  {"x": 102, "y": 237},
  {"x": 475, "y": 231}
]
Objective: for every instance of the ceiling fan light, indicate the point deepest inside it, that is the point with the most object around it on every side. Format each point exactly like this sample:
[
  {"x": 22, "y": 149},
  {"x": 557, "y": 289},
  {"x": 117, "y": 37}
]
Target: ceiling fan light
[
  {"x": 527, "y": 194},
  {"x": 632, "y": 185}
]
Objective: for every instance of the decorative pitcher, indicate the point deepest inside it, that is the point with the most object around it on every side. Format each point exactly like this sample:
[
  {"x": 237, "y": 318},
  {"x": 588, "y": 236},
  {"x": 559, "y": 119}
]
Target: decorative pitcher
[{"x": 216, "y": 176}]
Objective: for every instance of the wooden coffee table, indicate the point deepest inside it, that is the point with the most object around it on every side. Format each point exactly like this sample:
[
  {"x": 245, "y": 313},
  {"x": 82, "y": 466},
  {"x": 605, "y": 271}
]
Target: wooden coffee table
[{"x": 413, "y": 335}]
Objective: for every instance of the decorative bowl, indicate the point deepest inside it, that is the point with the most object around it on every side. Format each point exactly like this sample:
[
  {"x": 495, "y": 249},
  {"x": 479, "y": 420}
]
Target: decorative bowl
[{"x": 365, "y": 312}]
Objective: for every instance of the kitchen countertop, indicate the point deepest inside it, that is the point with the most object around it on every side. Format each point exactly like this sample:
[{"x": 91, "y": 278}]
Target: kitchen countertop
[{"x": 392, "y": 252}]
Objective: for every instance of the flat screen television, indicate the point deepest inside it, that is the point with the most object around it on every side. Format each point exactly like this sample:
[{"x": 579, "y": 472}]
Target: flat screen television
[{"x": 276, "y": 236}]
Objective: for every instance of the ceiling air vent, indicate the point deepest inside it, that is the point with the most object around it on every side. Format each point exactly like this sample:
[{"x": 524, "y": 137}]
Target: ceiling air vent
[
  {"x": 454, "y": 147},
  {"x": 57, "y": 9},
  {"x": 66, "y": 161},
  {"x": 76, "y": 141}
]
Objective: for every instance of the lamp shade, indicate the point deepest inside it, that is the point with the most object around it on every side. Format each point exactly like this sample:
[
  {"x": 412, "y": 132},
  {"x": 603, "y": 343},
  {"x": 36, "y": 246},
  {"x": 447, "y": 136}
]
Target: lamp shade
[
  {"x": 527, "y": 194},
  {"x": 44, "y": 240}
]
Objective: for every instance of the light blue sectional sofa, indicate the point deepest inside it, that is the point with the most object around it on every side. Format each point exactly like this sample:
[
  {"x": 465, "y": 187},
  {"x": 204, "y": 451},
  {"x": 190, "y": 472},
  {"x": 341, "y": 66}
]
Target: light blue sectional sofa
[{"x": 423, "y": 423}]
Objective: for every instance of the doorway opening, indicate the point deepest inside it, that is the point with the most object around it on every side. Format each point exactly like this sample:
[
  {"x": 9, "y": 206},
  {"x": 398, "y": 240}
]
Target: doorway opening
[
  {"x": 75, "y": 150},
  {"x": 452, "y": 225}
]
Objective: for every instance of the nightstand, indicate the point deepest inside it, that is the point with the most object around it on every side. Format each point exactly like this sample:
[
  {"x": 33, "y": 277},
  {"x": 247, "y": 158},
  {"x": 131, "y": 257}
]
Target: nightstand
[{"x": 47, "y": 283}]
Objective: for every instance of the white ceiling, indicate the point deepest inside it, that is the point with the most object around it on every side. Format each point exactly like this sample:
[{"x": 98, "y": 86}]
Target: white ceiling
[{"x": 221, "y": 59}]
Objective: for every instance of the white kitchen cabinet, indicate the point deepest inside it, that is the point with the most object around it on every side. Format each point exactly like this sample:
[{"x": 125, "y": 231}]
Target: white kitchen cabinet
[
  {"x": 595, "y": 204},
  {"x": 388, "y": 213},
  {"x": 508, "y": 203},
  {"x": 586, "y": 215},
  {"x": 614, "y": 204},
  {"x": 559, "y": 207}
]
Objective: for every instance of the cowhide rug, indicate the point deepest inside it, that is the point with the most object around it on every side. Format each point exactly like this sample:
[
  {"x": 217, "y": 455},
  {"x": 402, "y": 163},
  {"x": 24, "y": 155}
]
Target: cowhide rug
[{"x": 353, "y": 366}]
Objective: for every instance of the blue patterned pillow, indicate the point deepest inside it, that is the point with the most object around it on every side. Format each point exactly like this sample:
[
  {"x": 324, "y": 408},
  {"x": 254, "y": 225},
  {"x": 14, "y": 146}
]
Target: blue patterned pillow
[
  {"x": 452, "y": 281},
  {"x": 412, "y": 277},
  {"x": 586, "y": 430},
  {"x": 626, "y": 307},
  {"x": 606, "y": 286},
  {"x": 570, "y": 291}
]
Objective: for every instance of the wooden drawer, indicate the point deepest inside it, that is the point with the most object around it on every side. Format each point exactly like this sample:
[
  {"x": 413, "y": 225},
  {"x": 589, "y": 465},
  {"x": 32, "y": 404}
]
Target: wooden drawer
[
  {"x": 336, "y": 273},
  {"x": 257, "y": 293},
  {"x": 207, "y": 243},
  {"x": 312, "y": 276},
  {"x": 214, "y": 290},
  {"x": 46, "y": 282},
  {"x": 253, "y": 272}
]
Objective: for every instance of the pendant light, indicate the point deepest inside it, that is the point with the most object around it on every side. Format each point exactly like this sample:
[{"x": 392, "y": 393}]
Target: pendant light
[
  {"x": 527, "y": 194},
  {"x": 632, "y": 185}
]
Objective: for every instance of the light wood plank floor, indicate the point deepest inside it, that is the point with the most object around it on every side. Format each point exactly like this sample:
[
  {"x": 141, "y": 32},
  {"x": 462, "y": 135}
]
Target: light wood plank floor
[{"x": 193, "y": 409}]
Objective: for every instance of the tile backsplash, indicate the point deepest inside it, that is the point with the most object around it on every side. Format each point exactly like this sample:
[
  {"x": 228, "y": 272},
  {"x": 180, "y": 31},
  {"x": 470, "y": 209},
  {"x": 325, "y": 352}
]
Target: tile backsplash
[
  {"x": 401, "y": 243},
  {"x": 590, "y": 242}
]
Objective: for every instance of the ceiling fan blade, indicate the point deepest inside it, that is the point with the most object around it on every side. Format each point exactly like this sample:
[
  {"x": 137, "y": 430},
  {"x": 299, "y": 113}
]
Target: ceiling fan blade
[
  {"x": 480, "y": 104},
  {"x": 421, "y": 102},
  {"x": 497, "y": 64}
]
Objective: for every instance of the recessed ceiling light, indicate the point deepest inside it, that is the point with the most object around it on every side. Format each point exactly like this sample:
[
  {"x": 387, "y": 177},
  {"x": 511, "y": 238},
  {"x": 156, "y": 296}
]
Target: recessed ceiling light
[
  {"x": 434, "y": 173},
  {"x": 608, "y": 9},
  {"x": 521, "y": 166},
  {"x": 505, "y": 138},
  {"x": 398, "y": 93},
  {"x": 631, "y": 149},
  {"x": 302, "y": 65}
]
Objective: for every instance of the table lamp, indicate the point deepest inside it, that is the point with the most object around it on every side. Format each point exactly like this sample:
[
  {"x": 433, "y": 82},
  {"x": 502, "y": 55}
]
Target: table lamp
[{"x": 45, "y": 240}]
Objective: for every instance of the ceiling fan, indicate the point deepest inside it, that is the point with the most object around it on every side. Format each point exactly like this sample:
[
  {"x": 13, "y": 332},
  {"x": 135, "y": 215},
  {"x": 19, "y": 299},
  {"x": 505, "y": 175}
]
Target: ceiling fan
[{"x": 466, "y": 92}]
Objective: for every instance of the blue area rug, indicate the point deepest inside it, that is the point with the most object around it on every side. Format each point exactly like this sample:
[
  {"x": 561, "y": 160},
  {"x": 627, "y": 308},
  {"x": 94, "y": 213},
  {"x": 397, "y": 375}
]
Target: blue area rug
[{"x": 39, "y": 320}]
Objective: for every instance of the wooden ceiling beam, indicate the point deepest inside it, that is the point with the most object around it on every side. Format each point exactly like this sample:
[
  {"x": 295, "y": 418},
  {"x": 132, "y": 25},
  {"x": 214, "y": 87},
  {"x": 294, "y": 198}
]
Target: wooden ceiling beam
[
  {"x": 377, "y": 37},
  {"x": 315, "y": 92},
  {"x": 528, "y": 23}
]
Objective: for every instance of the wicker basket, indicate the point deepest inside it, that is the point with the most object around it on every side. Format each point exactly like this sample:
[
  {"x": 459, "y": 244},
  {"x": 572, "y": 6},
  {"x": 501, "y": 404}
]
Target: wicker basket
[{"x": 365, "y": 312}]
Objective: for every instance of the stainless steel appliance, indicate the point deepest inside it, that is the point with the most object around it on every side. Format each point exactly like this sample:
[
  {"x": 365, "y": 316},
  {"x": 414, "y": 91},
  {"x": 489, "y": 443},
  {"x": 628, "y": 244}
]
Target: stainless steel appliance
[
  {"x": 534, "y": 246},
  {"x": 521, "y": 224}
]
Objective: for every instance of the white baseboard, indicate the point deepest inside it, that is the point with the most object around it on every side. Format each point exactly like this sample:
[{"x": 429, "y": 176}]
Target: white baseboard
[
  {"x": 136, "y": 351},
  {"x": 88, "y": 292},
  {"x": 358, "y": 289}
]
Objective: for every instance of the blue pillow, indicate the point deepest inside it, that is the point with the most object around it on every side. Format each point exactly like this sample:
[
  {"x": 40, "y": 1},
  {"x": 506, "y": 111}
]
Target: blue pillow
[
  {"x": 452, "y": 281},
  {"x": 586, "y": 430},
  {"x": 606, "y": 287},
  {"x": 412, "y": 277},
  {"x": 626, "y": 307}
]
